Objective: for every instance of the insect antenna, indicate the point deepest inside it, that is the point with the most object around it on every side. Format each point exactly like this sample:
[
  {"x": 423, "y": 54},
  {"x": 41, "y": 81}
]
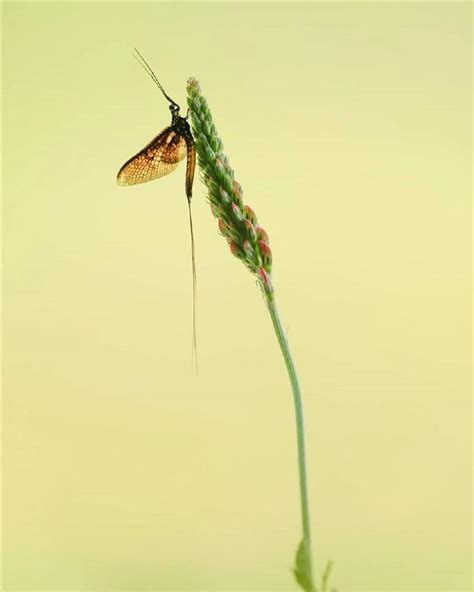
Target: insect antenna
[{"x": 144, "y": 64}]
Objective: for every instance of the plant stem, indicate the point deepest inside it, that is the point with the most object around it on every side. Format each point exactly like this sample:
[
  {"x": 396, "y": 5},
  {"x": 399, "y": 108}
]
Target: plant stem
[{"x": 285, "y": 350}]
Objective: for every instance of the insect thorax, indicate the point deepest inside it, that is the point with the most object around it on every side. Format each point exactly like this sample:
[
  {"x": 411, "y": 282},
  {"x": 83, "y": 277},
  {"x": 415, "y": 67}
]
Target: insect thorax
[{"x": 180, "y": 125}]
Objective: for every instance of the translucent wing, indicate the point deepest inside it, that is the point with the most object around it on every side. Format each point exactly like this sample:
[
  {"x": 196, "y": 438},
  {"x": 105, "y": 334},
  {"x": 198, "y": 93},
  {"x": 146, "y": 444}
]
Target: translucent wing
[{"x": 159, "y": 158}]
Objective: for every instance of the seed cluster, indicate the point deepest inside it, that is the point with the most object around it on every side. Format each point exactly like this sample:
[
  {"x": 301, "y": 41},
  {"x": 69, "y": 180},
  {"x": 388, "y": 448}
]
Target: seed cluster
[{"x": 236, "y": 221}]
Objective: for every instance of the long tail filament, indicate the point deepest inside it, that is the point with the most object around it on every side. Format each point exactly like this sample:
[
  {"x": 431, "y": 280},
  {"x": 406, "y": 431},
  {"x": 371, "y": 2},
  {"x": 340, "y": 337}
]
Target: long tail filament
[{"x": 193, "y": 259}]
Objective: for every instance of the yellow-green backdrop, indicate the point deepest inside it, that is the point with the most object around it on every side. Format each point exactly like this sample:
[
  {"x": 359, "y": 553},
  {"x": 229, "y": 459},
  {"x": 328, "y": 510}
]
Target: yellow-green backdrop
[{"x": 348, "y": 127}]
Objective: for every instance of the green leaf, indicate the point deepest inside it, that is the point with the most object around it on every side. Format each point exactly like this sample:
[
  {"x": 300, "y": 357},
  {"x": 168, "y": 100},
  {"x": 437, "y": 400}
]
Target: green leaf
[
  {"x": 326, "y": 574},
  {"x": 302, "y": 569}
]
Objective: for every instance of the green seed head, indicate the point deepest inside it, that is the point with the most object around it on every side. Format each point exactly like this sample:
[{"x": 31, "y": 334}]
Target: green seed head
[{"x": 237, "y": 222}]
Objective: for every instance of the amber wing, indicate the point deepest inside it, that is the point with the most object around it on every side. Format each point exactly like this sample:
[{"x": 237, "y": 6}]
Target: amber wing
[{"x": 159, "y": 158}]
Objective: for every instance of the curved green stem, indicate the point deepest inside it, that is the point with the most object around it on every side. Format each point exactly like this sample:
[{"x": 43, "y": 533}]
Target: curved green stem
[
  {"x": 303, "y": 569},
  {"x": 250, "y": 243}
]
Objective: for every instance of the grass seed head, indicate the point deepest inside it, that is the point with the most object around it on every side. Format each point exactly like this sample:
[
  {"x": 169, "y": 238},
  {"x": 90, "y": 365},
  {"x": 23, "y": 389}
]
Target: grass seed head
[{"x": 237, "y": 222}]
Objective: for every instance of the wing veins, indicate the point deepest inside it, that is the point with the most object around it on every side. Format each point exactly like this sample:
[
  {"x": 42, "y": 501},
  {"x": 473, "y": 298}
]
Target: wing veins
[{"x": 158, "y": 158}]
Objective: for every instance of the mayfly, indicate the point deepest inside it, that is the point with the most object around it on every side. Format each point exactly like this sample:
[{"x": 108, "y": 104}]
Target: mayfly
[{"x": 160, "y": 157}]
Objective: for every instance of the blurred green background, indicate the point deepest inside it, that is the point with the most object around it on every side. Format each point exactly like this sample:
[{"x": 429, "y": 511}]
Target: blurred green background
[{"x": 348, "y": 127}]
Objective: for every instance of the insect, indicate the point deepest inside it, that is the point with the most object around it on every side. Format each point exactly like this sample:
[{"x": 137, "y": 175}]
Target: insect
[{"x": 160, "y": 157}]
